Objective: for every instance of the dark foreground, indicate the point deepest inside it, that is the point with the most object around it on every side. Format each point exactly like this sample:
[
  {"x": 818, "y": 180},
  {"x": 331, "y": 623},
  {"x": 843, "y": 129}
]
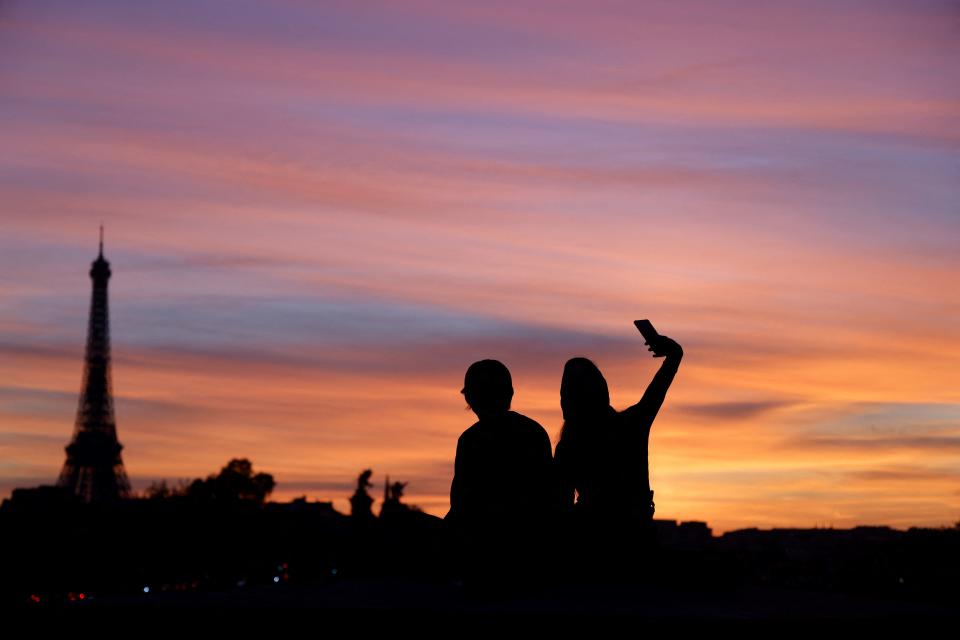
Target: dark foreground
[
  {"x": 432, "y": 606},
  {"x": 148, "y": 564}
]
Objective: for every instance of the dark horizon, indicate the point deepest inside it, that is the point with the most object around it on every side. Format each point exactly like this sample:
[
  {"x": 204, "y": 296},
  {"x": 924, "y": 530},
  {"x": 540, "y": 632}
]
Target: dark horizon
[{"x": 318, "y": 216}]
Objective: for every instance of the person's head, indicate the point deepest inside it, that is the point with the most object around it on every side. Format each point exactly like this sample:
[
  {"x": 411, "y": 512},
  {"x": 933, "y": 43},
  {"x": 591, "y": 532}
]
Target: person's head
[
  {"x": 583, "y": 390},
  {"x": 488, "y": 388}
]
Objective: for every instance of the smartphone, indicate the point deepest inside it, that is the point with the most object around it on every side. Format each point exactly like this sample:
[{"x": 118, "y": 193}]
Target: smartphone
[{"x": 646, "y": 330}]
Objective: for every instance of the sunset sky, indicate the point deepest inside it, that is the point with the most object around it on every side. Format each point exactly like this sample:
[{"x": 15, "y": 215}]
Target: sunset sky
[{"x": 318, "y": 214}]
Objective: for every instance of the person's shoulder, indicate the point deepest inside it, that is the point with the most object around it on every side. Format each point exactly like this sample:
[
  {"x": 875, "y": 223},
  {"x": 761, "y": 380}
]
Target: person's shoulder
[
  {"x": 521, "y": 419},
  {"x": 527, "y": 424},
  {"x": 470, "y": 432}
]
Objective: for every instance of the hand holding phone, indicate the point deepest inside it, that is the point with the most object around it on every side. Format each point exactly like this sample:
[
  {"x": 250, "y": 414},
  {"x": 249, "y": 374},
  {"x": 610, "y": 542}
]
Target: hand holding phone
[
  {"x": 646, "y": 330},
  {"x": 659, "y": 345}
]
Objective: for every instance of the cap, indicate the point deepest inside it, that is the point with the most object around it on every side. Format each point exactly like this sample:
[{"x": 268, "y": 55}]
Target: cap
[{"x": 487, "y": 375}]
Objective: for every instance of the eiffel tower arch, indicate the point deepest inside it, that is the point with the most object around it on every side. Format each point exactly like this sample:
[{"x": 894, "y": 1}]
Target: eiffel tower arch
[{"x": 94, "y": 469}]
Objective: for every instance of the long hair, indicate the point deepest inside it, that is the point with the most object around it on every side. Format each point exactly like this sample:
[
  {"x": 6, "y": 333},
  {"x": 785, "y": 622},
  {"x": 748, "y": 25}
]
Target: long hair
[{"x": 584, "y": 399}]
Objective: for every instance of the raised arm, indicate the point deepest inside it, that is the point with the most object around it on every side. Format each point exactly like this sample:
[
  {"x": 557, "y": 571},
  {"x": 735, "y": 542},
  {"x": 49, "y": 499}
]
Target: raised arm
[{"x": 644, "y": 412}]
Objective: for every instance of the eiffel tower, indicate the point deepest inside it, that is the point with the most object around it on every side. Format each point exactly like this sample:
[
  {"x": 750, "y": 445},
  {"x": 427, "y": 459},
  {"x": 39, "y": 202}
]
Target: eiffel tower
[{"x": 93, "y": 470}]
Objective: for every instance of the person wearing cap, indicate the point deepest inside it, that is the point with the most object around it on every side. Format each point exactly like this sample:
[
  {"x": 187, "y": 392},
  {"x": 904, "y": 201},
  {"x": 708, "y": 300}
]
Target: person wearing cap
[{"x": 503, "y": 495}]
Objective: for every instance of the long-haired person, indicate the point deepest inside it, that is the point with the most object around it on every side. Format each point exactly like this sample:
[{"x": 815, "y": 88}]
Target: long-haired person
[{"x": 601, "y": 460}]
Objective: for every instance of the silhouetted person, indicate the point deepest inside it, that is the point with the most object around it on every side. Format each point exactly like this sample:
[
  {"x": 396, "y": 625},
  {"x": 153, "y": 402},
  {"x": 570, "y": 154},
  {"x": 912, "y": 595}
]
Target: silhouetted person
[
  {"x": 602, "y": 456},
  {"x": 503, "y": 490}
]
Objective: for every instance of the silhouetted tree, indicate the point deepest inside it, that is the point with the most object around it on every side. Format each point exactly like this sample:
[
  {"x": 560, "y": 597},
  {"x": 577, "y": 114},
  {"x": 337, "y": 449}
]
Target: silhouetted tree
[
  {"x": 158, "y": 491},
  {"x": 236, "y": 482}
]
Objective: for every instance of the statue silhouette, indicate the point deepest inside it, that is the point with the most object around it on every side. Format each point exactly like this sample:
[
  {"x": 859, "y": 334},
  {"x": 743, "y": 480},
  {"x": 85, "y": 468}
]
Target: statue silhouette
[
  {"x": 361, "y": 504},
  {"x": 393, "y": 499},
  {"x": 602, "y": 460}
]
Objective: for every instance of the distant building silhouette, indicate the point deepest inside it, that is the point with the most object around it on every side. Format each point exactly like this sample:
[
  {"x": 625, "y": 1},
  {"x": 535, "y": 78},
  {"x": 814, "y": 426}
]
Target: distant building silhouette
[
  {"x": 93, "y": 469},
  {"x": 683, "y": 535}
]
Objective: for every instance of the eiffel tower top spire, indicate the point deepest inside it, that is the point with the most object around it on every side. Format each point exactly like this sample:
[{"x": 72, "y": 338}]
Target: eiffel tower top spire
[
  {"x": 93, "y": 469},
  {"x": 100, "y": 269}
]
